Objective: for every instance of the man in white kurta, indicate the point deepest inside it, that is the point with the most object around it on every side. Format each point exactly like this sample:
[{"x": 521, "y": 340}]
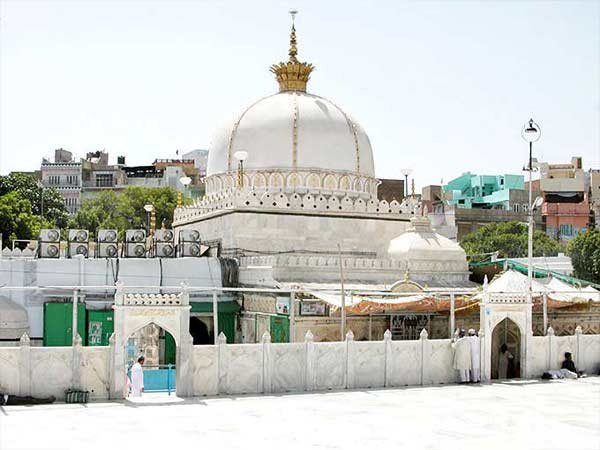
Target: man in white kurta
[
  {"x": 475, "y": 356},
  {"x": 137, "y": 378},
  {"x": 462, "y": 356}
]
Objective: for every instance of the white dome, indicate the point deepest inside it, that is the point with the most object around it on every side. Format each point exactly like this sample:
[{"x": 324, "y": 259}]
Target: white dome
[
  {"x": 13, "y": 319},
  {"x": 420, "y": 244},
  {"x": 296, "y": 131}
]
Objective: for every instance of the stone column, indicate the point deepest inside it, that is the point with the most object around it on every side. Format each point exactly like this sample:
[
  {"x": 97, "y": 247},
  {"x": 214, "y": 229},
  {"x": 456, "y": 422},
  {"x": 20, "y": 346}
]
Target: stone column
[
  {"x": 222, "y": 384},
  {"x": 424, "y": 340},
  {"x": 267, "y": 368},
  {"x": 76, "y": 363},
  {"x": 349, "y": 374},
  {"x": 24, "y": 365},
  {"x": 482, "y": 361},
  {"x": 452, "y": 320},
  {"x": 309, "y": 358},
  {"x": 578, "y": 349},
  {"x": 292, "y": 316},
  {"x": 551, "y": 349},
  {"x": 387, "y": 342}
]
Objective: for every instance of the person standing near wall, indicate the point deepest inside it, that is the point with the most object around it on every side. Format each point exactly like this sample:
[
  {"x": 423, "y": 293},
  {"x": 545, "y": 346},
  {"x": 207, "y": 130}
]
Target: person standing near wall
[
  {"x": 137, "y": 378},
  {"x": 504, "y": 359},
  {"x": 475, "y": 356},
  {"x": 462, "y": 356}
]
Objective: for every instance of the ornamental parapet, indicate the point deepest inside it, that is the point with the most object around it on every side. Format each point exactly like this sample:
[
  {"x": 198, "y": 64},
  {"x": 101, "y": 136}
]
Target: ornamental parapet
[{"x": 241, "y": 198}]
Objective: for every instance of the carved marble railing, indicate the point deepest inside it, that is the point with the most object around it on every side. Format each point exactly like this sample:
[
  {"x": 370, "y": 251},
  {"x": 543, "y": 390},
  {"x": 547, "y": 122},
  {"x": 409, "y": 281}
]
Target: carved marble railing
[
  {"x": 250, "y": 199},
  {"x": 144, "y": 299},
  {"x": 503, "y": 297}
]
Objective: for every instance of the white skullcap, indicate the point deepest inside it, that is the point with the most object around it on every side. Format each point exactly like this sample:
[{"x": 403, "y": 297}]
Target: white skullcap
[{"x": 471, "y": 331}]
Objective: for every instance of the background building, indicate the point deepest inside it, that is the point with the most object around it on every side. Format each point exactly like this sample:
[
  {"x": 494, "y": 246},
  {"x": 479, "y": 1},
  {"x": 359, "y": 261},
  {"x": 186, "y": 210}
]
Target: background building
[
  {"x": 64, "y": 174},
  {"x": 566, "y": 208}
]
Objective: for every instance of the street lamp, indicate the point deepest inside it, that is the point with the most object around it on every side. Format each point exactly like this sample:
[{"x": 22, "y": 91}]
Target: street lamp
[
  {"x": 240, "y": 155},
  {"x": 185, "y": 180},
  {"x": 406, "y": 173},
  {"x": 148, "y": 208},
  {"x": 530, "y": 132}
]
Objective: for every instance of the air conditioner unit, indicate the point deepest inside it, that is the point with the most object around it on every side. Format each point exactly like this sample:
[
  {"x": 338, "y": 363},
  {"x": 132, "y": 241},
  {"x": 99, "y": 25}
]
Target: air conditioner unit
[
  {"x": 135, "y": 236},
  {"x": 193, "y": 249},
  {"x": 49, "y": 250},
  {"x": 78, "y": 249},
  {"x": 107, "y": 236},
  {"x": 189, "y": 236},
  {"x": 135, "y": 250},
  {"x": 79, "y": 236},
  {"x": 108, "y": 250},
  {"x": 49, "y": 235},
  {"x": 165, "y": 250},
  {"x": 164, "y": 235}
]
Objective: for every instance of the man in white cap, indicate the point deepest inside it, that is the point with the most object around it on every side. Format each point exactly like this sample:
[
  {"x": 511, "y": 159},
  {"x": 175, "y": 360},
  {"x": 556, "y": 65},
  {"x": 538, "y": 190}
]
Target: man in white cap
[
  {"x": 462, "y": 356},
  {"x": 475, "y": 368}
]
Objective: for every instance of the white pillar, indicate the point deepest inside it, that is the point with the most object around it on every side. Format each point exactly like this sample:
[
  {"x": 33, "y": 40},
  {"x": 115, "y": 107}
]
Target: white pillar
[
  {"x": 452, "y": 328},
  {"x": 74, "y": 333},
  {"x": 292, "y": 316},
  {"x": 215, "y": 318},
  {"x": 24, "y": 367},
  {"x": 387, "y": 341},
  {"x": 545, "y": 310},
  {"x": 424, "y": 338},
  {"x": 309, "y": 355},
  {"x": 349, "y": 375},
  {"x": 267, "y": 385}
]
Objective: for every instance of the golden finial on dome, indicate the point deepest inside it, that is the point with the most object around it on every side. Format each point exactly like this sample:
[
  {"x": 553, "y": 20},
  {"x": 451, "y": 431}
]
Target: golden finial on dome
[{"x": 293, "y": 75}]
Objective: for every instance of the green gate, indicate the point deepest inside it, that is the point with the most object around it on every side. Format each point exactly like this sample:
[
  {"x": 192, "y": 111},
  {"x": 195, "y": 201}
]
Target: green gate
[
  {"x": 280, "y": 329},
  {"x": 100, "y": 326},
  {"x": 58, "y": 324}
]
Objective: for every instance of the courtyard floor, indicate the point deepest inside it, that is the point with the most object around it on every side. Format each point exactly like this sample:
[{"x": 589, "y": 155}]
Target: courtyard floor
[{"x": 561, "y": 414}]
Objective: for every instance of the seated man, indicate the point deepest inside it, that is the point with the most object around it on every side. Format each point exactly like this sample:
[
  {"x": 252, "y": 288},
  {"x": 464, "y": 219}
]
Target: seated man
[{"x": 567, "y": 370}]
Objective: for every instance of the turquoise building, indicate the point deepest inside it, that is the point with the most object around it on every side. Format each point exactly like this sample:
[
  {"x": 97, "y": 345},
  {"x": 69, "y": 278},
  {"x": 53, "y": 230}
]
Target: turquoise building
[{"x": 483, "y": 191}]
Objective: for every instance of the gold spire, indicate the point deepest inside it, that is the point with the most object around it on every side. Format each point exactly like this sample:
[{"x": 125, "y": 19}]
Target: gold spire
[{"x": 293, "y": 75}]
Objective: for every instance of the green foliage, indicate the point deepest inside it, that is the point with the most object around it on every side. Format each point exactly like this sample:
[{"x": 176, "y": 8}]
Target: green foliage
[
  {"x": 125, "y": 210},
  {"x": 28, "y": 188},
  {"x": 16, "y": 219},
  {"x": 584, "y": 251},
  {"x": 509, "y": 239}
]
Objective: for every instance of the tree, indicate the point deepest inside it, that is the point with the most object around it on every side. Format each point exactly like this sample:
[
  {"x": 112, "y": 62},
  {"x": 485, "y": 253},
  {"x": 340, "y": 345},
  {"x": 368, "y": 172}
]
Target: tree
[
  {"x": 55, "y": 211},
  {"x": 17, "y": 220},
  {"x": 509, "y": 239},
  {"x": 584, "y": 251},
  {"x": 125, "y": 210}
]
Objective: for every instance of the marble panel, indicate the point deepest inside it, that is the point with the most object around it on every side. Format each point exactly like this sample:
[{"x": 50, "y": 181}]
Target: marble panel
[
  {"x": 560, "y": 345},
  {"x": 589, "y": 357},
  {"x": 439, "y": 357},
  {"x": 204, "y": 375},
  {"x": 330, "y": 365},
  {"x": 405, "y": 363},
  {"x": 94, "y": 371},
  {"x": 243, "y": 368},
  {"x": 9, "y": 370},
  {"x": 367, "y": 360},
  {"x": 538, "y": 356},
  {"x": 51, "y": 372},
  {"x": 288, "y": 365}
]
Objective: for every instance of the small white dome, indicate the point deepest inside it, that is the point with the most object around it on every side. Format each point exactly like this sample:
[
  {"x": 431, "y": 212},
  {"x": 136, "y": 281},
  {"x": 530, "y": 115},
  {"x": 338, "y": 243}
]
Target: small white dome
[
  {"x": 13, "y": 319},
  {"x": 293, "y": 130},
  {"x": 423, "y": 245}
]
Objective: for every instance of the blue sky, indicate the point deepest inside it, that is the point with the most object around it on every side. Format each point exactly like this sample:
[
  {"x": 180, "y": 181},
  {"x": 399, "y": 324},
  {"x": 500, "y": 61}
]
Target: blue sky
[{"x": 441, "y": 87}]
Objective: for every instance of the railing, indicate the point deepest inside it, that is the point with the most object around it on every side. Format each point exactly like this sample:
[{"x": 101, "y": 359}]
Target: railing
[{"x": 159, "y": 378}]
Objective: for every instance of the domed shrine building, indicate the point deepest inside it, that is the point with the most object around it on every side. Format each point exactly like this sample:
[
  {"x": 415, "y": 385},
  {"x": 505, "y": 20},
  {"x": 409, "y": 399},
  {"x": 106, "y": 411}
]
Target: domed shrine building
[{"x": 291, "y": 184}]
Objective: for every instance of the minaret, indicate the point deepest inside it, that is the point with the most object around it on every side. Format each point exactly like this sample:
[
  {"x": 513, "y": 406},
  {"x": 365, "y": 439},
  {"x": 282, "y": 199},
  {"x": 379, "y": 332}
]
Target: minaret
[{"x": 292, "y": 75}]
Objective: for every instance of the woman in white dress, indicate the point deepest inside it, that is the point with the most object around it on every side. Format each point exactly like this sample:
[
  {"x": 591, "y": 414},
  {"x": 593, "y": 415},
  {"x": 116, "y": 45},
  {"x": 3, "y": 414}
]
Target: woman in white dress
[{"x": 503, "y": 361}]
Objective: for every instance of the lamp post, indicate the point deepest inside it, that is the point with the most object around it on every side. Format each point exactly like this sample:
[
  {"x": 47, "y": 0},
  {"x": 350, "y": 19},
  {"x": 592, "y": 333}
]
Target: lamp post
[
  {"x": 530, "y": 132},
  {"x": 148, "y": 208},
  {"x": 406, "y": 173},
  {"x": 185, "y": 180},
  {"x": 240, "y": 155}
]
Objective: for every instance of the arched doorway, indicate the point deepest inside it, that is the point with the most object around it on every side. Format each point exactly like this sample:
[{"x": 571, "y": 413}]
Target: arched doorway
[
  {"x": 506, "y": 333},
  {"x": 199, "y": 331},
  {"x": 159, "y": 350}
]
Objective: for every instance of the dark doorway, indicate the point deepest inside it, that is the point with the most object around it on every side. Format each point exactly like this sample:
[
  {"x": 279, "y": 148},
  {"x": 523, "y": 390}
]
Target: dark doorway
[
  {"x": 199, "y": 332},
  {"x": 506, "y": 364}
]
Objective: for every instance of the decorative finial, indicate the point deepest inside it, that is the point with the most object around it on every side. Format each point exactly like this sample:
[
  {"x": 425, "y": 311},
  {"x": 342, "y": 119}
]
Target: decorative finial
[{"x": 293, "y": 75}]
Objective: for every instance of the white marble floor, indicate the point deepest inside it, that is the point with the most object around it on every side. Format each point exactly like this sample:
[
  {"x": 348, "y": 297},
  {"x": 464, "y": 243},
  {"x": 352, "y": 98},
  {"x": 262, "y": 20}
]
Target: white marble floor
[{"x": 562, "y": 414}]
